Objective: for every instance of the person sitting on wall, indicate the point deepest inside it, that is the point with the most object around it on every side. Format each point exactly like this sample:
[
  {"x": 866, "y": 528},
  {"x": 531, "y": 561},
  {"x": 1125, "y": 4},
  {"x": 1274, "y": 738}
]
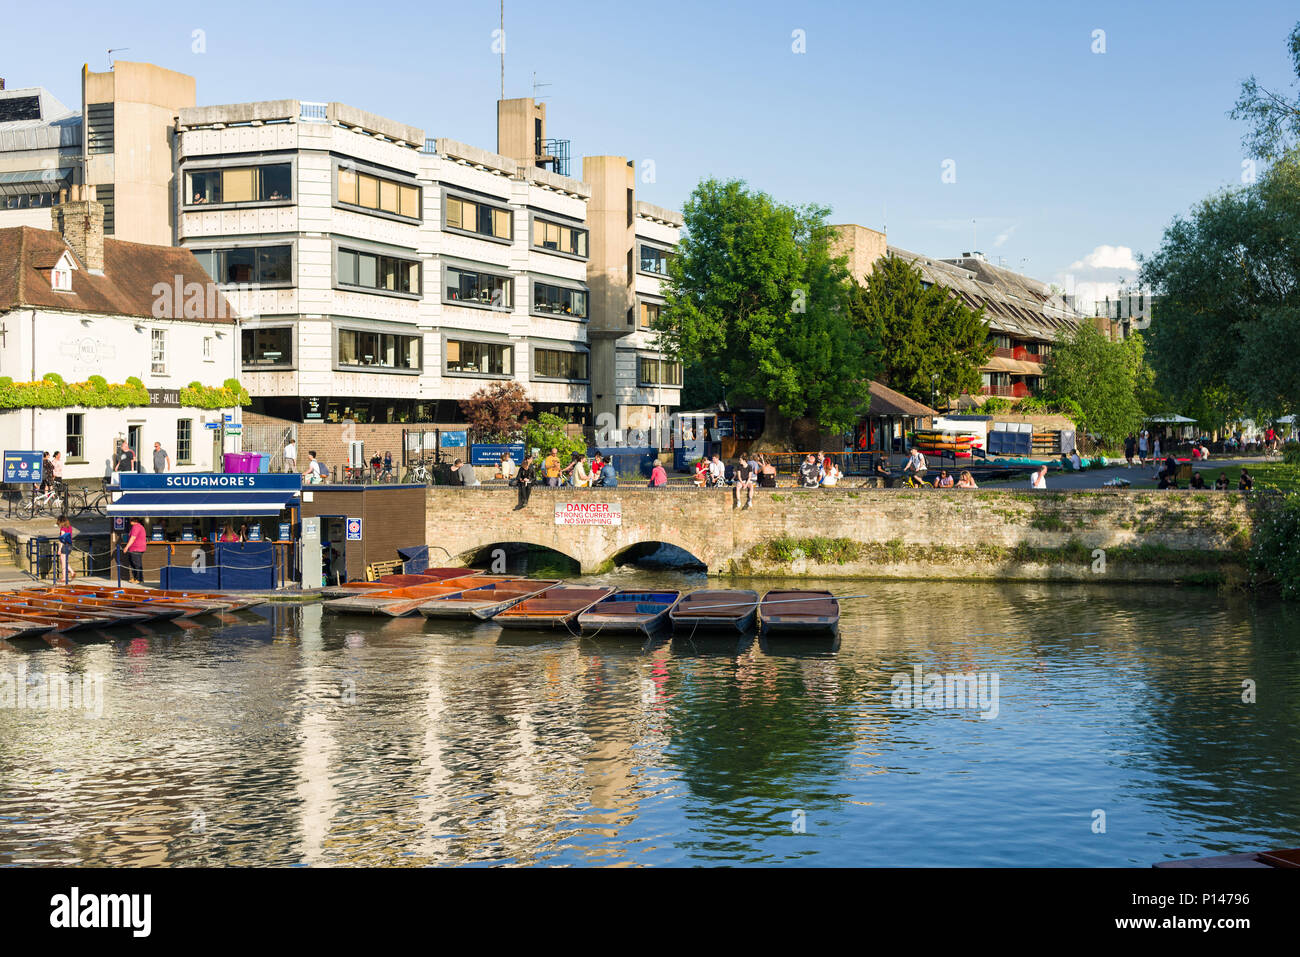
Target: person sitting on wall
[
  {"x": 524, "y": 480},
  {"x": 311, "y": 474},
  {"x": 966, "y": 481},
  {"x": 1221, "y": 483},
  {"x": 1198, "y": 481},
  {"x": 1246, "y": 483},
  {"x": 608, "y": 477}
]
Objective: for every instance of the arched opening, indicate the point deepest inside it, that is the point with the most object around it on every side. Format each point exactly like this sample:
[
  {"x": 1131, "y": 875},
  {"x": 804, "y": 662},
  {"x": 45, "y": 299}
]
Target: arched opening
[
  {"x": 522, "y": 558},
  {"x": 659, "y": 556}
]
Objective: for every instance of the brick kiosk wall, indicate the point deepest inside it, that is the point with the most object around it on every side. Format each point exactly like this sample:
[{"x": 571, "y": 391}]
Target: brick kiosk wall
[
  {"x": 392, "y": 517},
  {"x": 935, "y": 533}
]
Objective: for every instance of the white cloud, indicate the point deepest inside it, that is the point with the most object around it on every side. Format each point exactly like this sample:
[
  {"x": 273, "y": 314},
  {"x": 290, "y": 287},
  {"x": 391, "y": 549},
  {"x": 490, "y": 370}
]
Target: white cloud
[
  {"x": 1108, "y": 257},
  {"x": 1003, "y": 237}
]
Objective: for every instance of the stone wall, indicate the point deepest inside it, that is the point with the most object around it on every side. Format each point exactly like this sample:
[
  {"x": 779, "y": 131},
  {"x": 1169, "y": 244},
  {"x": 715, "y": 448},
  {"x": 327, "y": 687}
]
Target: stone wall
[{"x": 874, "y": 532}]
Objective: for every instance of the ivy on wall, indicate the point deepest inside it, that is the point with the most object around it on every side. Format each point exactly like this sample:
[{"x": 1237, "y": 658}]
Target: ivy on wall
[{"x": 97, "y": 393}]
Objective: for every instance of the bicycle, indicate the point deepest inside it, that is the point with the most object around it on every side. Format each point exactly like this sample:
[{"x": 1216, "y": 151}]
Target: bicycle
[
  {"x": 417, "y": 473},
  {"x": 79, "y": 501},
  {"x": 41, "y": 502}
]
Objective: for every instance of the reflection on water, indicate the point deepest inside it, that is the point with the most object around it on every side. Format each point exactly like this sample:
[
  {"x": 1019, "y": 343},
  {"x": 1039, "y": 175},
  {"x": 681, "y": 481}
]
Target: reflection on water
[{"x": 293, "y": 737}]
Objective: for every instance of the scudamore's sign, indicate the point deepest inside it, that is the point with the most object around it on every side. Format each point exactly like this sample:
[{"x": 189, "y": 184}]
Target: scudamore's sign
[{"x": 588, "y": 513}]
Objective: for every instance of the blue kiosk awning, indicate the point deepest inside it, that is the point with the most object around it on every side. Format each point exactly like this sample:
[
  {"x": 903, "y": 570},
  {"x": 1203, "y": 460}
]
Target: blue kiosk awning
[{"x": 204, "y": 495}]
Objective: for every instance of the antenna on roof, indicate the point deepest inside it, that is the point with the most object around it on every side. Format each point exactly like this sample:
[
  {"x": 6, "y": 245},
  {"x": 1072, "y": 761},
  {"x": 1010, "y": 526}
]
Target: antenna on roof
[
  {"x": 537, "y": 86},
  {"x": 502, "y": 41},
  {"x": 111, "y": 52},
  {"x": 974, "y": 235}
]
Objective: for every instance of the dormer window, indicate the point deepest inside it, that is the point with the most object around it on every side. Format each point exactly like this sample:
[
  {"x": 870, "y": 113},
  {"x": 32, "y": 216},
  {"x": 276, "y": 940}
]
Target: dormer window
[{"x": 61, "y": 274}]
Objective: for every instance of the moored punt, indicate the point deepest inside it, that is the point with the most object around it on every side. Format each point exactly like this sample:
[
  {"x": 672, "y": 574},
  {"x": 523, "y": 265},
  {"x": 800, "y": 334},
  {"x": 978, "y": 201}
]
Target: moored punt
[
  {"x": 108, "y": 616},
  {"x": 403, "y": 601},
  {"x": 629, "y": 611},
  {"x": 27, "y": 626},
  {"x": 148, "y": 611},
  {"x": 555, "y": 607},
  {"x": 227, "y": 601},
  {"x": 486, "y": 600},
  {"x": 801, "y": 612},
  {"x": 728, "y": 609},
  {"x": 59, "y": 618},
  {"x": 1281, "y": 857},
  {"x": 430, "y": 576}
]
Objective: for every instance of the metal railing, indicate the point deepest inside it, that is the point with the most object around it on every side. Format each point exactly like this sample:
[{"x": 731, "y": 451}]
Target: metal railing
[{"x": 309, "y": 112}]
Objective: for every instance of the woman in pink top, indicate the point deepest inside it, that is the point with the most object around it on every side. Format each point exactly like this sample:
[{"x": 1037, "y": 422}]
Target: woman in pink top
[
  {"x": 135, "y": 546},
  {"x": 658, "y": 477}
]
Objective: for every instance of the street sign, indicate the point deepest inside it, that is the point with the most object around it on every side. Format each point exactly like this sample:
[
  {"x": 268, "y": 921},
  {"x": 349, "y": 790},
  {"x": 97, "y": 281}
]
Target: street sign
[
  {"x": 588, "y": 513},
  {"x": 23, "y": 467},
  {"x": 354, "y": 530}
]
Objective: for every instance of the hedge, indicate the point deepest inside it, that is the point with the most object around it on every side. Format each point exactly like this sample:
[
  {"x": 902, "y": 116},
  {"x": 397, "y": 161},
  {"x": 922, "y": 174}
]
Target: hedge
[{"x": 97, "y": 393}]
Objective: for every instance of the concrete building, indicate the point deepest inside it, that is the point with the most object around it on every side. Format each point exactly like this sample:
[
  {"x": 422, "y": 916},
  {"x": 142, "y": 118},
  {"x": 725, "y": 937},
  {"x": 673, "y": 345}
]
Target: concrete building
[
  {"x": 395, "y": 275},
  {"x": 119, "y": 142},
  {"x": 1024, "y": 316},
  {"x": 79, "y": 305}
]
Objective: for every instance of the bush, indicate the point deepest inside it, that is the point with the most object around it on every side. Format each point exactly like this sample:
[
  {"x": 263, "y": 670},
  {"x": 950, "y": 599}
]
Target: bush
[
  {"x": 1291, "y": 453},
  {"x": 546, "y": 432},
  {"x": 1275, "y": 550},
  {"x": 995, "y": 404}
]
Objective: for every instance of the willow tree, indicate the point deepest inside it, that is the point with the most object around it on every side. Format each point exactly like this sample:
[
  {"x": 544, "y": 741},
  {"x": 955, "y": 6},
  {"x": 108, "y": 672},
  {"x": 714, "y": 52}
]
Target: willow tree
[{"x": 757, "y": 300}]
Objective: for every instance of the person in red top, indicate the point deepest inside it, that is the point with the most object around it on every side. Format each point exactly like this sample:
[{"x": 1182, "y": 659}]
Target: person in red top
[
  {"x": 658, "y": 477},
  {"x": 135, "y": 546}
]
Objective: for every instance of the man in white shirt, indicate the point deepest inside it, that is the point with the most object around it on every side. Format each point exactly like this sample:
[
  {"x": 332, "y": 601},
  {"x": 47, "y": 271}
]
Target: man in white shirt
[
  {"x": 291, "y": 456},
  {"x": 312, "y": 474},
  {"x": 1039, "y": 478},
  {"x": 717, "y": 472},
  {"x": 916, "y": 464}
]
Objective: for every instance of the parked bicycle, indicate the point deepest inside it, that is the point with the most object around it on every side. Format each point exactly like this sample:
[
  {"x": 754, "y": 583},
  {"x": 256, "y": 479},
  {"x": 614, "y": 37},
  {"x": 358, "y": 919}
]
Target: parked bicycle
[
  {"x": 81, "y": 500},
  {"x": 44, "y": 501},
  {"x": 417, "y": 472}
]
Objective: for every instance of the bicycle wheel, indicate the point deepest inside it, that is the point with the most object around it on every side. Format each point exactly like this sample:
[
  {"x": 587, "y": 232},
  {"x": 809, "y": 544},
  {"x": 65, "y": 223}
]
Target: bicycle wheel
[
  {"x": 28, "y": 509},
  {"x": 99, "y": 505}
]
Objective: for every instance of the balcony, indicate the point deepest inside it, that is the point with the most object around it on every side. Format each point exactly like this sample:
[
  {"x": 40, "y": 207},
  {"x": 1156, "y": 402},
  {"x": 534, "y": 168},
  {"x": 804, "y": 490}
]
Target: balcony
[
  {"x": 1002, "y": 390},
  {"x": 1020, "y": 390},
  {"x": 1021, "y": 354}
]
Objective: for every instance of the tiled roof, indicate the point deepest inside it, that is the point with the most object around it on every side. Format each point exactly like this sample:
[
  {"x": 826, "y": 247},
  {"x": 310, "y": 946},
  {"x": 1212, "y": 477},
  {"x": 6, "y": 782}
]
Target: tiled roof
[
  {"x": 885, "y": 401},
  {"x": 131, "y": 270}
]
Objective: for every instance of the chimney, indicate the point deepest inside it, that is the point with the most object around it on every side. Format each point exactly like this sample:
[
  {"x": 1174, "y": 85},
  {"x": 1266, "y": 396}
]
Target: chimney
[{"x": 80, "y": 219}]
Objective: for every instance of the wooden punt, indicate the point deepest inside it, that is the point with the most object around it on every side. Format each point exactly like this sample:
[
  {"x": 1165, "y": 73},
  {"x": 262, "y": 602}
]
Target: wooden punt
[
  {"x": 486, "y": 600},
  {"x": 108, "y": 616},
  {"x": 403, "y": 601},
  {"x": 59, "y": 617},
  {"x": 28, "y": 626},
  {"x": 221, "y": 601},
  {"x": 798, "y": 611},
  {"x": 430, "y": 576},
  {"x": 148, "y": 610},
  {"x": 628, "y": 611},
  {"x": 716, "y": 609},
  {"x": 554, "y": 608},
  {"x": 1281, "y": 858}
]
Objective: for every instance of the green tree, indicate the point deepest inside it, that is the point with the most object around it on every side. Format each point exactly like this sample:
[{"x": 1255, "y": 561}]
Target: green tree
[
  {"x": 547, "y": 432},
  {"x": 756, "y": 300},
  {"x": 1274, "y": 120},
  {"x": 931, "y": 345},
  {"x": 1100, "y": 377},
  {"x": 1229, "y": 278}
]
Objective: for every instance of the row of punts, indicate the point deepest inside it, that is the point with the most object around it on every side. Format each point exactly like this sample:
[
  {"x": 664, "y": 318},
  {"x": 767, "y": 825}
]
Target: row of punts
[
  {"x": 530, "y": 603},
  {"x": 40, "y": 611}
]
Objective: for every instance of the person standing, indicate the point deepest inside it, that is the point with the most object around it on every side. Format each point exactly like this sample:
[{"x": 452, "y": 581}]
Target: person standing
[
  {"x": 64, "y": 568},
  {"x": 552, "y": 467},
  {"x": 56, "y": 469},
  {"x": 291, "y": 456},
  {"x": 135, "y": 546},
  {"x": 126, "y": 460},
  {"x": 1130, "y": 449},
  {"x": 524, "y": 479},
  {"x": 161, "y": 460},
  {"x": 1142, "y": 447},
  {"x": 1155, "y": 448}
]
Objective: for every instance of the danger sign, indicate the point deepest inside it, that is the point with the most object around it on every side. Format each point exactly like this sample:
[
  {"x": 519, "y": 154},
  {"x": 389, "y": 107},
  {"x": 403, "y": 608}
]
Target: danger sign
[{"x": 588, "y": 513}]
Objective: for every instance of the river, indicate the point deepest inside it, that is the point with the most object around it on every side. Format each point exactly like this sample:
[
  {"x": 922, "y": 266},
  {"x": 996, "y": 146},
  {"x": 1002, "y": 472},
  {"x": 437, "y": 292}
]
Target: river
[{"x": 1109, "y": 729}]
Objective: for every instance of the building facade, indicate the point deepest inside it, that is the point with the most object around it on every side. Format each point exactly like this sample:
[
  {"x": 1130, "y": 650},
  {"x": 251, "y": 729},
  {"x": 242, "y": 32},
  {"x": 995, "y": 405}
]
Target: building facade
[
  {"x": 81, "y": 306},
  {"x": 390, "y": 276},
  {"x": 119, "y": 142}
]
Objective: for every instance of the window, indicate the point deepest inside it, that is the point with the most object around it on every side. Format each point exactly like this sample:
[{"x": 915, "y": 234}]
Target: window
[
  {"x": 479, "y": 288},
  {"x": 29, "y": 201},
  {"x": 559, "y": 364},
  {"x": 565, "y": 239},
  {"x": 660, "y": 372},
  {"x": 476, "y": 217},
  {"x": 159, "y": 354},
  {"x": 267, "y": 347},
  {"x": 378, "y": 272},
  {"x": 654, "y": 260},
  {"x": 558, "y": 301},
  {"x": 382, "y": 349},
  {"x": 61, "y": 278},
  {"x": 369, "y": 191},
  {"x": 240, "y": 184},
  {"x": 207, "y": 348},
  {"x": 480, "y": 358},
  {"x": 76, "y": 440},
  {"x": 264, "y": 265},
  {"x": 184, "y": 441},
  {"x": 649, "y": 314}
]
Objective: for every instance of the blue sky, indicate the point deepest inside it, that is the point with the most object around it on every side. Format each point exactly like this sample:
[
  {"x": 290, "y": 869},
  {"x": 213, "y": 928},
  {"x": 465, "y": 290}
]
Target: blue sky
[{"x": 1063, "y": 157}]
